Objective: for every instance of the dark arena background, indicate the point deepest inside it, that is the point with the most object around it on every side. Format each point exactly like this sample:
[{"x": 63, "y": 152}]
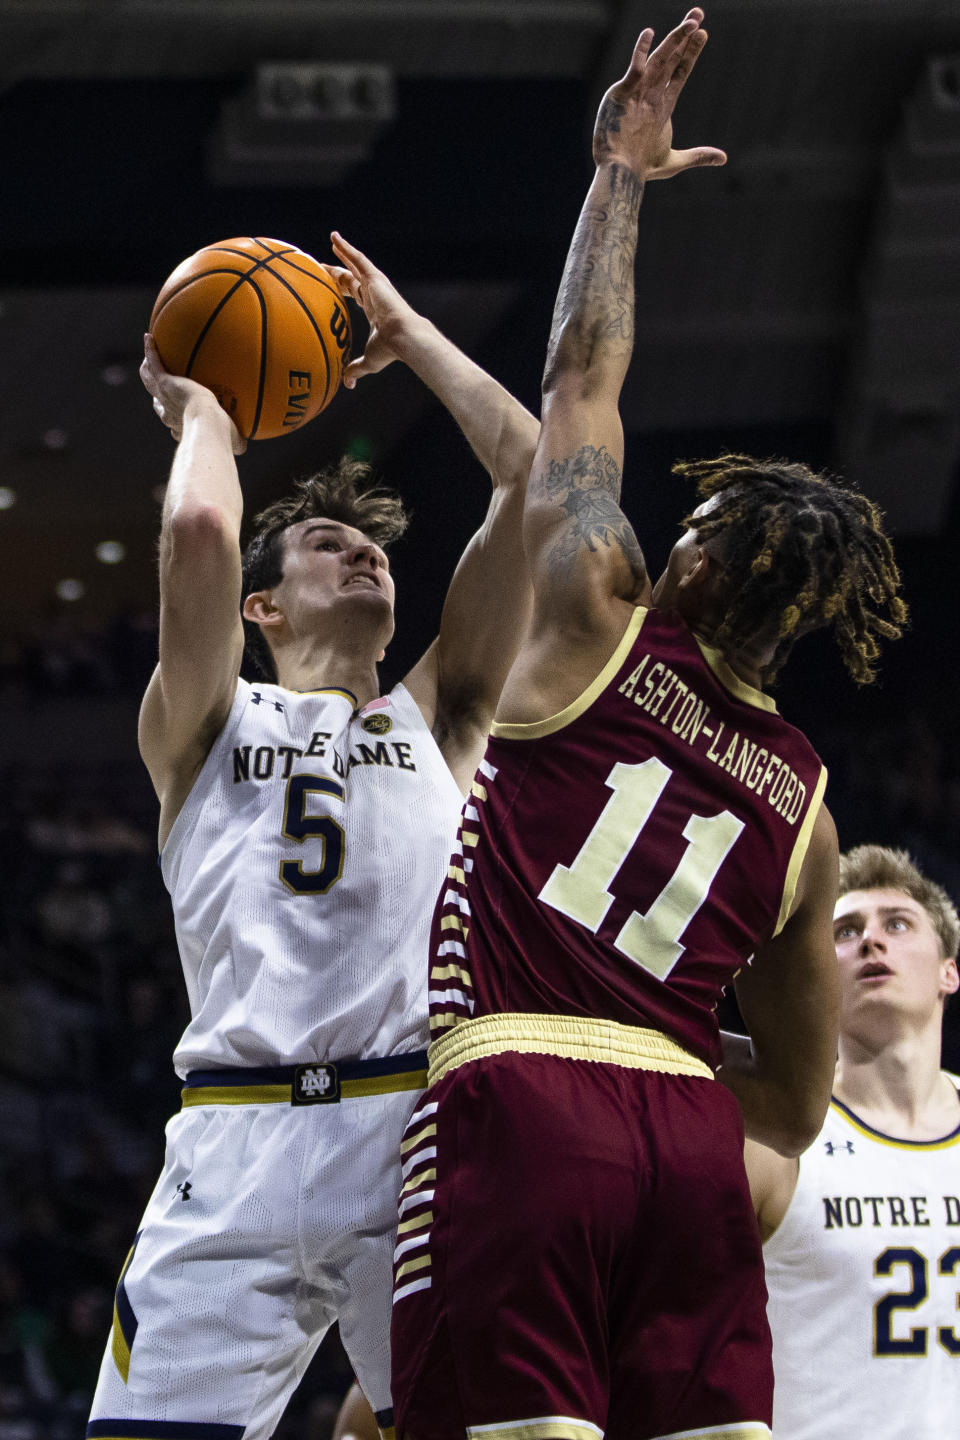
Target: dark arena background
[{"x": 803, "y": 302}]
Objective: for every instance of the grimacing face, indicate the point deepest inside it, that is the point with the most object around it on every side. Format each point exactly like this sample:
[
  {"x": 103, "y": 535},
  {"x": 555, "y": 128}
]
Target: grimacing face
[
  {"x": 889, "y": 955},
  {"x": 326, "y": 559},
  {"x": 332, "y": 576}
]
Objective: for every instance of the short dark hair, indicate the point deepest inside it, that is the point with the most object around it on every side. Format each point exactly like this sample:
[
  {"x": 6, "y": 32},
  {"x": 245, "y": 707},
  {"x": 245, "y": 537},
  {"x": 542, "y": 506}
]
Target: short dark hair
[
  {"x": 801, "y": 550},
  {"x": 345, "y": 492}
]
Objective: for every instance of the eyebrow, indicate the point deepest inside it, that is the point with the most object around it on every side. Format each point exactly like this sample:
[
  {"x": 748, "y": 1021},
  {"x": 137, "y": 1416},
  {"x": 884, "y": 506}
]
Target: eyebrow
[
  {"x": 322, "y": 525},
  {"x": 337, "y": 528},
  {"x": 884, "y": 910}
]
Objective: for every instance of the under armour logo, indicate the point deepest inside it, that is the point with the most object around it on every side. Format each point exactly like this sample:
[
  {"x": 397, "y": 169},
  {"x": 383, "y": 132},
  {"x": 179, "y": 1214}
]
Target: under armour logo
[
  {"x": 257, "y": 699},
  {"x": 832, "y": 1148},
  {"x": 184, "y": 1190},
  {"x": 315, "y": 1085}
]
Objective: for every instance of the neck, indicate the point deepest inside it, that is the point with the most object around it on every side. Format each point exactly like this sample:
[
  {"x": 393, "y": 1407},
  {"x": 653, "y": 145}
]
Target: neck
[
  {"x": 896, "y": 1084},
  {"x": 747, "y": 664},
  {"x": 311, "y": 665}
]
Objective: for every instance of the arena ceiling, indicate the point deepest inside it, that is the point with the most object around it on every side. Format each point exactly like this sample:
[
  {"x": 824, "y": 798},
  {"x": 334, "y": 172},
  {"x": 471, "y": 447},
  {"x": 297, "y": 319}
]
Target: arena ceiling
[{"x": 811, "y": 287}]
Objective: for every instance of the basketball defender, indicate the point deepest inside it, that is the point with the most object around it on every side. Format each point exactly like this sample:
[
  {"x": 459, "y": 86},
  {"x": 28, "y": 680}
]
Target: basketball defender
[
  {"x": 862, "y": 1234},
  {"x": 305, "y": 824},
  {"x": 577, "y": 1254}
]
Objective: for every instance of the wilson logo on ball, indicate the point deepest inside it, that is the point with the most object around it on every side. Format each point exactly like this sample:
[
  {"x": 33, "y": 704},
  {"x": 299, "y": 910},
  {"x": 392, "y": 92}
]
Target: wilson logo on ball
[{"x": 262, "y": 324}]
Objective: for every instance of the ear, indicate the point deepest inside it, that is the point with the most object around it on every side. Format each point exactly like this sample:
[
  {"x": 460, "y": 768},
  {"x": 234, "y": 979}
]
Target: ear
[
  {"x": 698, "y": 572},
  {"x": 259, "y": 607},
  {"x": 949, "y": 977}
]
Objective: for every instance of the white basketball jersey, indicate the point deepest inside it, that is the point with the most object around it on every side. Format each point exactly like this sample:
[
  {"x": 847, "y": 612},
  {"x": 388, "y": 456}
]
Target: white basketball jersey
[
  {"x": 864, "y": 1282},
  {"x": 303, "y": 868}
]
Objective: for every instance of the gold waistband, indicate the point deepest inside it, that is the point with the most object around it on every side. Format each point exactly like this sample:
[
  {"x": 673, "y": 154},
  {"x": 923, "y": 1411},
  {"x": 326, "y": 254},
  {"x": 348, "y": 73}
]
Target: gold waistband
[{"x": 572, "y": 1037}]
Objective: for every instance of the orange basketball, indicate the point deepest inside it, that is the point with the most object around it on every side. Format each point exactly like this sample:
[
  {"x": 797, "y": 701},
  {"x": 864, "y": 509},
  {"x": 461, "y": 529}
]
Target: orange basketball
[{"x": 261, "y": 324}]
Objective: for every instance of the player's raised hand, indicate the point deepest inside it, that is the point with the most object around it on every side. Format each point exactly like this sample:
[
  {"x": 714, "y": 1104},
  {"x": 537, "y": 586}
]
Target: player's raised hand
[
  {"x": 385, "y": 308},
  {"x": 172, "y": 394},
  {"x": 634, "y": 125}
]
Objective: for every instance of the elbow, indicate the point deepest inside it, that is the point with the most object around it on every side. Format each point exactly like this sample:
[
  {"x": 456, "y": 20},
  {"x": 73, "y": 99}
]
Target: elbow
[
  {"x": 791, "y": 1141},
  {"x": 199, "y": 522},
  {"x": 796, "y": 1124},
  {"x": 572, "y": 359},
  {"x": 198, "y": 531}
]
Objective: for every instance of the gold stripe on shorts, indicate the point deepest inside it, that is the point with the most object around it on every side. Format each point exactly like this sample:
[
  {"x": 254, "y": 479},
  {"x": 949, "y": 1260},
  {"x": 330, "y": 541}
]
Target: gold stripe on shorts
[
  {"x": 571, "y": 1037},
  {"x": 541, "y": 1427}
]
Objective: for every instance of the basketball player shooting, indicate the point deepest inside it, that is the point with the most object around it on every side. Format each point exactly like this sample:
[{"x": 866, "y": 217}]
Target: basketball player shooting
[
  {"x": 305, "y": 825},
  {"x": 643, "y": 822}
]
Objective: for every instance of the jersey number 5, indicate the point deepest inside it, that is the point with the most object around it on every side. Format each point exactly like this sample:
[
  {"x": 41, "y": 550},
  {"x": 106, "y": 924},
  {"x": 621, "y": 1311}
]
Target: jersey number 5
[
  {"x": 299, "y": 826},
  {"x": 582, "y": 890}
]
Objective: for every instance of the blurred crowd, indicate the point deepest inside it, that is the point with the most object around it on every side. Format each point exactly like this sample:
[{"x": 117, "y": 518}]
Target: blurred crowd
[{"x": 92, "y": 1003}]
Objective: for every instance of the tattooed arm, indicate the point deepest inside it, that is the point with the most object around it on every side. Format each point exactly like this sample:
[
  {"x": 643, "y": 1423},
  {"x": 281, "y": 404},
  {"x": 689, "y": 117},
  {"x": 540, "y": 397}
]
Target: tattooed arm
[{"x": 581, "y": 549}]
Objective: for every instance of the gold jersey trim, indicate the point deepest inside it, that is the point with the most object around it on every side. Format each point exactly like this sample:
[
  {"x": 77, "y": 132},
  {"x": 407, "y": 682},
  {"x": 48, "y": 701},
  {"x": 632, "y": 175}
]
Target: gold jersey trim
[
  {"x": 943, "y": 1142},
  {"x": 800, "y": 851},
  {"x": 731, "y": 681},
  {"x": 570, "y": 1037},
  {"x": 324, "y": 690},
  {"x": 536, "y": 728}
]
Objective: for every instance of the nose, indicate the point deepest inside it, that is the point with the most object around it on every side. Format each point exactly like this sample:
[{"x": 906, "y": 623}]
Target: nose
[
  {"x": 871, "y": 939},
  {"x": 365, "y": 554}
]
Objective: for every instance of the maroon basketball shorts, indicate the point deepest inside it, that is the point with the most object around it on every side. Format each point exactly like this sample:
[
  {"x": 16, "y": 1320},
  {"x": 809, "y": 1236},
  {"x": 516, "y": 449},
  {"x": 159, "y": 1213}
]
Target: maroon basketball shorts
[{"x": 577, "y": 1256}]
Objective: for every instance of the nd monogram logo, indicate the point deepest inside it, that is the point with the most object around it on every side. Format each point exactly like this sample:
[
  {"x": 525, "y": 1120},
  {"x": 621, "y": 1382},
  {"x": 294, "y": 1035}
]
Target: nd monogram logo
[{"x": 315, "y": 1085}]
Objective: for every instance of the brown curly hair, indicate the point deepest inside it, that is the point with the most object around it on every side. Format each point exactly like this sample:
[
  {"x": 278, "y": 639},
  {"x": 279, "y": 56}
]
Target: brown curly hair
[{"x": 345, "y": 492}]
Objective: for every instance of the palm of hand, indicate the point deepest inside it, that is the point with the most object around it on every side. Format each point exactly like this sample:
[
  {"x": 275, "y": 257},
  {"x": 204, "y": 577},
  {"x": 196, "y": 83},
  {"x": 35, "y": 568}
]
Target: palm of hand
[{"x": 632, "y": 130}]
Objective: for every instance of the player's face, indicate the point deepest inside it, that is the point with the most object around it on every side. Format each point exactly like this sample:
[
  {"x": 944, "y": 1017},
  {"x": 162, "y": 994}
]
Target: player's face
[
  {"x": 889, "y": 956},
  {"x": 328, "y": 565}
]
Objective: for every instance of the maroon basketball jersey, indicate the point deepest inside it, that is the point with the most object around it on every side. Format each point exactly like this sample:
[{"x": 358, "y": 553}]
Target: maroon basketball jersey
[{"x": 624, "y": 858}]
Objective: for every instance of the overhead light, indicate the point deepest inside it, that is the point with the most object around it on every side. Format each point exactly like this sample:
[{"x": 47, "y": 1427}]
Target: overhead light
[
  {"x": 8, "y": 497},
  {"x": 70, "y": 589},
  {"x": 110, "y": 552},
  {"x": 55, "y": 439}
]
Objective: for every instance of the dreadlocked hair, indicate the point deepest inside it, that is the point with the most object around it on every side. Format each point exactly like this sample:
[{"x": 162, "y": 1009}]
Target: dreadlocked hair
[
  {"x": 343, "y": 492},
  {"x": 800, "y": 551}
]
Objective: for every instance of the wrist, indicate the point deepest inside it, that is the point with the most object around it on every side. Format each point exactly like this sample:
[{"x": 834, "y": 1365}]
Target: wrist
[
  {"x": 407, "y": 333},
  {"x": 204, "y": 408},
  {"x": 619, "y": 171}
]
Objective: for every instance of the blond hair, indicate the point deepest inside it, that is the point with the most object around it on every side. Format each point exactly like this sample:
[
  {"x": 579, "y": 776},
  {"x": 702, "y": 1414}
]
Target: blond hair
[{"x": 875, "y": 867}]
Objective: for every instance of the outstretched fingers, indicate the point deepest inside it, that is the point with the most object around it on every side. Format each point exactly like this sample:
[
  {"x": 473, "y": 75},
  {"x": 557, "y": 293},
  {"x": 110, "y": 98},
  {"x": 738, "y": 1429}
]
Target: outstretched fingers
[
  {"x": 353, "y": 258},
  {"x": 347, "y": 280},
  {"x": 670, "y": 55},
  {"x": 638, "y": 60},
  {"x": 687, "y": 59}
]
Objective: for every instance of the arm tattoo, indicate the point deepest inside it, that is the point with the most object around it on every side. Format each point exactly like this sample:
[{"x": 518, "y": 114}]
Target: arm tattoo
[
  {"x": 594, "y": 309},
  {"x": 587, "y": 486},
  {"x": 607, "y": 124}
]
